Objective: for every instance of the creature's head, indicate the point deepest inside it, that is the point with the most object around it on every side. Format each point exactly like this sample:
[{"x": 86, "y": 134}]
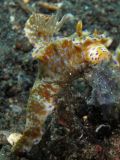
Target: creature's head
[
  {"x": 94, "y": 45},
  {"x": 97, "y": 52}
]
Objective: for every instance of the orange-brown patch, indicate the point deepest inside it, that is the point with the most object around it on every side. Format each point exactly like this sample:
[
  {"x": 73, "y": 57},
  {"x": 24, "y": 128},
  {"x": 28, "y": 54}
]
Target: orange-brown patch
[
  {"x": 42, "y": 91},
  {"x": 66, "y": 43},
  {"x": 51, "y": 87},
  {"x": 36, "y": 107},
  {"x": 50, "y": 50},
  {"x": 33, "y": 132},
  {"x": 87, "y": 43}
]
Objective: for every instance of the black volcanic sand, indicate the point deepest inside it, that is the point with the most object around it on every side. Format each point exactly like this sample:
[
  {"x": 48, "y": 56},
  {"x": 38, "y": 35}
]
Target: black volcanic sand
[{"x": 18, "y": 71}]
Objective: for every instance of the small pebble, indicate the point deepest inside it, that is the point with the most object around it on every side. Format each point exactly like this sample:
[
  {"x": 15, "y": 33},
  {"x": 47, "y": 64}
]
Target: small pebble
[
  {"x": 16, "y": 108},
  {"x": 26, "y": 1},
  {"x": 12, "y": 19}
]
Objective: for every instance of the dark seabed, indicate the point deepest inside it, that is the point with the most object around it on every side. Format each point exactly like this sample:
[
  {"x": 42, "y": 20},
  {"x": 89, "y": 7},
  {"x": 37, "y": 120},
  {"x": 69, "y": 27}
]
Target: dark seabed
[{"x": 69, "y": 135}]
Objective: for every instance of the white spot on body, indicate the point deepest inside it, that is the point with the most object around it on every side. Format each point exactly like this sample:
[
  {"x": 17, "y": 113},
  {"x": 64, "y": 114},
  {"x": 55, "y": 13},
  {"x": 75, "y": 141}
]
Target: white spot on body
[{"x": 49, "y": 107}]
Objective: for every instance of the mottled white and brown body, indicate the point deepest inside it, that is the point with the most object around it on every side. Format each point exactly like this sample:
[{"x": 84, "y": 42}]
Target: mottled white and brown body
[{"x": 61, "y": 59}]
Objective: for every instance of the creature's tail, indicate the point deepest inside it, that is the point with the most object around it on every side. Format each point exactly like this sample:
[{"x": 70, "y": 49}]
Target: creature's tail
[{"x": 40, "y": 105}]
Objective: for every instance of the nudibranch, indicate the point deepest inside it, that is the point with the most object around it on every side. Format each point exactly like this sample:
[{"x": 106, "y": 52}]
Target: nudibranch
[{"x": 60, "y": 58}]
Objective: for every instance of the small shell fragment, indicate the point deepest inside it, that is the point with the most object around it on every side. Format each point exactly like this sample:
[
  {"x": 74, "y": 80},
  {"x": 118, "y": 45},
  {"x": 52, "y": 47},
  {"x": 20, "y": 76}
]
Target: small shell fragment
[
  {"x": 13, "y": 138},
  {"x": 49, "y": 6}
]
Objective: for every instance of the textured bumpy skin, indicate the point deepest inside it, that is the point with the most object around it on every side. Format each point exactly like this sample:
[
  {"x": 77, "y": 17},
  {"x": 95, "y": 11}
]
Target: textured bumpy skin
[{"x": 61, "y": 58}]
